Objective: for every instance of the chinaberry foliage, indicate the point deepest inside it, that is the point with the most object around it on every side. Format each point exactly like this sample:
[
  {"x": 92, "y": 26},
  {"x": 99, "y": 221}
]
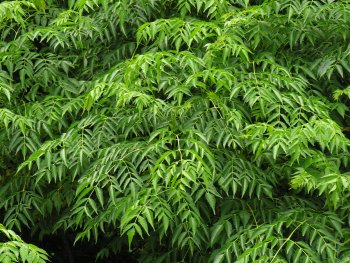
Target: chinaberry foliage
[
  {"x": 188, "y": 130},
  {"x": 16, "y": 250}
]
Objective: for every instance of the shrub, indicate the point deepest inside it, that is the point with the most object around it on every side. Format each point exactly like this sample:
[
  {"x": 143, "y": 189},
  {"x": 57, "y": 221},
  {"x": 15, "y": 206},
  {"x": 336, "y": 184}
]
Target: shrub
[{"x": 184, "y": 130}]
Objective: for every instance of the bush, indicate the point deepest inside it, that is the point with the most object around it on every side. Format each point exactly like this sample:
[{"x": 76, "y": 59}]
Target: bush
[{"x": 194, "y": 131}]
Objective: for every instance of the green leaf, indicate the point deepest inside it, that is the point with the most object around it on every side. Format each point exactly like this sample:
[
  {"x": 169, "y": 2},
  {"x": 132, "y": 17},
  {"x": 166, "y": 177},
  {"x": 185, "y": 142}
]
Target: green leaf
[
  {"x": 143, "y": 223},
  {"x": 130, "y": 234},
  {"x": 24, "y": 253},
  {"x": 215, "y": 233},
  {"x": 211, "y": 200},
  {"x": 100, "y": 196}
]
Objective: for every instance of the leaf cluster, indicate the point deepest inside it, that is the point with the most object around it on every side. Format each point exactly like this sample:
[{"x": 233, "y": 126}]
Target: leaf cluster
[{"x": 201, "y": 131}]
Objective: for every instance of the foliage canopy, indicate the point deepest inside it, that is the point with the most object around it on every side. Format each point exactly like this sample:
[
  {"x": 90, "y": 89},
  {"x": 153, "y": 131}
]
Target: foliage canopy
[{"x": 188, "y": 130}]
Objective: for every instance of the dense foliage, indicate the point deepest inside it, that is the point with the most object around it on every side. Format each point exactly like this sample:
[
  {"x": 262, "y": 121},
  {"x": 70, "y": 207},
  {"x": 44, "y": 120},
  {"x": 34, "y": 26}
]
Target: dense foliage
[
  {"x": 188, "y": 130},
  {"x": 14, "y": 249}
]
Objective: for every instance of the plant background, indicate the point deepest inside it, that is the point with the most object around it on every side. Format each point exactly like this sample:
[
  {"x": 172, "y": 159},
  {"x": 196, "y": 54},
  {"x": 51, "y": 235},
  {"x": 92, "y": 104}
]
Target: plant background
[{"x": 177, "y": 131}]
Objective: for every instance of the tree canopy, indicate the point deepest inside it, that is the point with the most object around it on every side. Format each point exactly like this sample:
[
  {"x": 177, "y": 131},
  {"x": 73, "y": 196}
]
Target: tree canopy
[{"x": 181, "y": 131}]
